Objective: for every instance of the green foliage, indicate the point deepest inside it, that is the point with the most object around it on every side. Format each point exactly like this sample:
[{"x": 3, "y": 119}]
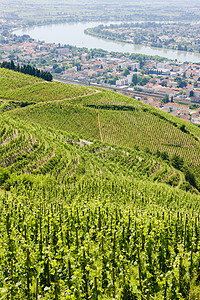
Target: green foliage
[
  {"x": 126, "y": 72},
  {"x": 180, "y": 82},
  {"x": 144, "y": 127},
  {"x": 20, "y": 87},
  {"x": 88, "y": 214},
  {"x": 95, "y": 237},
  {"x": 183, "y": 129},
  {"x": 139, "y": 80},
  {"x": 177, "y": 162},
  {"x": 173, "y": 180},
  {"x": 124, "y": 115},
  {"x": 189, "y": 176},
  {"x": 10, "y": 80},
  {"x": 165, "y": 99},
  {"x": 164, "y": 155},
  {"x": 4, "y": 175},
  {"x": 27, "y": 69}
]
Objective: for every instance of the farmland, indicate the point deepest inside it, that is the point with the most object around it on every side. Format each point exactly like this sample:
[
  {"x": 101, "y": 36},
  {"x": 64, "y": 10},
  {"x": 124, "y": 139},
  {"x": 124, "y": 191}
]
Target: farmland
[
  {"x": 99, "y": 196},
  {"x": 118, "y": 115}
]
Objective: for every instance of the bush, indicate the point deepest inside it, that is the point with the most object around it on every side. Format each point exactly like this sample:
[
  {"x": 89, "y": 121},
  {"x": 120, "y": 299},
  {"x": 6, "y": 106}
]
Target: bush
[
  {"x": 177, "y": 161},
  {"x": 164, "y": 155},
  {"x": 189, "y": 176},
  {"x": 4, "y": 175}
]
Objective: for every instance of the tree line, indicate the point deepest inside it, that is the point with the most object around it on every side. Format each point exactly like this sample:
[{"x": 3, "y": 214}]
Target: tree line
[{"x": 27, "y": 69}]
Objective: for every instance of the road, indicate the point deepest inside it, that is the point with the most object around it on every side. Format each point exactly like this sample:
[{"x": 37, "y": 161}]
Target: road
[{"x": 123, "y": 91}]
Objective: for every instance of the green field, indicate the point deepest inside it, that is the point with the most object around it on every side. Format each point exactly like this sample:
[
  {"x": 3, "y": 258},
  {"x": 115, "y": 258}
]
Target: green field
[
  {"x": 122, "y": 121},
  {"x": 20, "y": 87},
  {"x": 99, "y": 196}
]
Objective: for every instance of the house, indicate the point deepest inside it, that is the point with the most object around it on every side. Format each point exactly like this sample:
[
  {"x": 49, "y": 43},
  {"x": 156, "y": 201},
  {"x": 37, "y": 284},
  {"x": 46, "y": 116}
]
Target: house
[
  {"x": 175, "y": 106},
  {"x": 175, "y": 113},
  {"x": 195, "y": 119},
  {"x": 165, "y": 109},
  {"x": 62, "y": 51},
  {"x": 185, "y": 116},
  {"x": 186, "y": 120},
  {"x": 157, "y": 104}
]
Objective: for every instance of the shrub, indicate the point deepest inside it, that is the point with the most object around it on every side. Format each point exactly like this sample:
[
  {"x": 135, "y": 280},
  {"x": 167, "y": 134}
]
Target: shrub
[{"x": 4, "y": 175}]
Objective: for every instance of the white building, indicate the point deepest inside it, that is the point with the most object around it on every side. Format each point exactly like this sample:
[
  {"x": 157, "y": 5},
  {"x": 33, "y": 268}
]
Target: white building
[
  {"x": 121, "y": 82},
  {"x": 129, "y": 77},
  {"x": 132, "y": 65},
  {"x": 164, "y": 71}
]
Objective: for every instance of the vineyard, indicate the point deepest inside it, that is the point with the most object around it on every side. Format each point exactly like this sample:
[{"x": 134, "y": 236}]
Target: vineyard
[
  {"x": 24, "y": 152},
  {"x": 99, "y": 196},
  {"x": 10, "y": 80},
  {"x": 123, "y": 121},
  {"x": 19, "y": 87},
  {"x": 80, "y": 244},
  {"x": 27, "y": 69}
]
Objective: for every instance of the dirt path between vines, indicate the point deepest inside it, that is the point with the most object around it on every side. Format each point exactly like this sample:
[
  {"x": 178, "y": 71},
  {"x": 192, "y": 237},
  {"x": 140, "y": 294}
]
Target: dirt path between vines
[
  {"x": 169, "y": 175},
  {"x": 99, "y": 127},
  {"x": 8, "y": 139},
  {"x": 181, "y": 180},
  {"x": 70, "y": 98},
  {"x": 72, "y": 173}
]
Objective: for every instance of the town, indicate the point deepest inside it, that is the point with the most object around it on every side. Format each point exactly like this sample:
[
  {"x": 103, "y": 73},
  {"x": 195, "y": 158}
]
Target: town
[
  {"x": 168, "y": 85},
  {"x": 177, "y": 36}
]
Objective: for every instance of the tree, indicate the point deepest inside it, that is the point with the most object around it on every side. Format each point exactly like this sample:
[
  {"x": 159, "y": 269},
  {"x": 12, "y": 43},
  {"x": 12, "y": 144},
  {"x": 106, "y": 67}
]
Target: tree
[
  {"x": 180, "y": 83},
  {"x": 126, "y": 72},
  {"x": 144, "y": 81},
  {"x": 12, "y": 65},
  {"x": 183, "y": 129},
  {"x": 58, "y": 70},
  {"x": 166, "y": 99},
  {"x": 27, "y": 69},
  {"x": 134, "y": 79},
  {"x": 189, "y": 176},
  {"x": 191, "y": 93}
]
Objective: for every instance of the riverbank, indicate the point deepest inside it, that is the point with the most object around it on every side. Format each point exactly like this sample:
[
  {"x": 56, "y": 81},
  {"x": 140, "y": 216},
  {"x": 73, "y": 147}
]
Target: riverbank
[
  {"x": 73, "y": 34},
  {"x": 174, "y": 36}
]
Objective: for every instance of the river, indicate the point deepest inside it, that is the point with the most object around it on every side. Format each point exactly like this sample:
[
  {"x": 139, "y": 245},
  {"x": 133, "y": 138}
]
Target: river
[{"x": 73, "y": 34}]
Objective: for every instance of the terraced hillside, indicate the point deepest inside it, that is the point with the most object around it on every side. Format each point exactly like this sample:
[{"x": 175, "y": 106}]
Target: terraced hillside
[
  {"x": 98, "y": 196},
  {"x": 17, "y": 89},
  {"x": 23, "y": 151},
  {"x": 115, "y": 119}
]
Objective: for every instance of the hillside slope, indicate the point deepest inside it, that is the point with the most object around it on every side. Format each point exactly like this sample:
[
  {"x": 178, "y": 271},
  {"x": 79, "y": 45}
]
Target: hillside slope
[
  {"x": 102, "y": 115},
  {"x": 98, "y": 195}
]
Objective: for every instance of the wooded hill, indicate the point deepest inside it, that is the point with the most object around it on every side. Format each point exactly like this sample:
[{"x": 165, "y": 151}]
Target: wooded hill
[{"x": 100, "y": 195}]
